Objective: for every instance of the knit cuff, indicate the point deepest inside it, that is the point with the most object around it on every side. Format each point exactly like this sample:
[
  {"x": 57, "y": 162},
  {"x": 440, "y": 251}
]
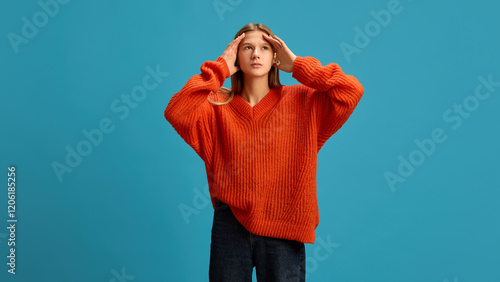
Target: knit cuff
[
  {"x": 224, "y": 67},
  {"x": 301, "y": 67}
]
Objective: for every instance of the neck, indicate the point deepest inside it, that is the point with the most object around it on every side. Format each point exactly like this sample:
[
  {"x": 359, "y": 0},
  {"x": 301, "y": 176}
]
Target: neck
[{"x": 254, "y": 89}]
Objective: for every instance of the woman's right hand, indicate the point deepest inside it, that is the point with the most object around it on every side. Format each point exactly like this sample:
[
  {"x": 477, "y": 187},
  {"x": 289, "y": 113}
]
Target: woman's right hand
[{"x": 231, "y": 53}]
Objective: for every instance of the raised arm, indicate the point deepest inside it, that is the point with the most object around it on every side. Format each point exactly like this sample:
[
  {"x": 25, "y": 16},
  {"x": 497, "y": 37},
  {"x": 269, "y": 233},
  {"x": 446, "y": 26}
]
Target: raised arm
[
  {"x": 189, "y": 111},
  {"x": 337, "y": 94}
]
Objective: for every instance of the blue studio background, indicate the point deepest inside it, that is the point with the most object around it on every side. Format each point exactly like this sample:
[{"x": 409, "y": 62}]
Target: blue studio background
[{"x": 408, "y": 189}]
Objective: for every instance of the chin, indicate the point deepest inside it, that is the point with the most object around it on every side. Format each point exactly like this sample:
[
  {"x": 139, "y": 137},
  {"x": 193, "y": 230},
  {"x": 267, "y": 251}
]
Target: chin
[{"x": 257, "y": 73}]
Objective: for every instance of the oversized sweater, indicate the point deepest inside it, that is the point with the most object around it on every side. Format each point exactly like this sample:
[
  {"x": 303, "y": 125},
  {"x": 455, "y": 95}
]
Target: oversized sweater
[{"x": 262, "y": 160}]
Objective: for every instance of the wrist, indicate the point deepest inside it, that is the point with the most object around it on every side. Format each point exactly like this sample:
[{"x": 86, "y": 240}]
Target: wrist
[
  {"x": 293, "y": 62},
  {"x": 225, "y": 68}
]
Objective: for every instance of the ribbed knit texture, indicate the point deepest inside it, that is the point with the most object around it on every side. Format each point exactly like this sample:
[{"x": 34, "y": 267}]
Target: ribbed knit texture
[{"x": 262, "y": 160}]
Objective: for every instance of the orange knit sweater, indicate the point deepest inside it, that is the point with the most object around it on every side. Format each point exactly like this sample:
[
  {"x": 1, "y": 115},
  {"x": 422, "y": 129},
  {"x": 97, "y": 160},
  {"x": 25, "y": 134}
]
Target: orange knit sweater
[{"x": 262, "y": 160}]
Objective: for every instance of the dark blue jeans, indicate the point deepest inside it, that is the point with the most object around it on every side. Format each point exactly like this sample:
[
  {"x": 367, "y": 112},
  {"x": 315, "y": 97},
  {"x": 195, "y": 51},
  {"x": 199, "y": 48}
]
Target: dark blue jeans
[{"x": 234, "y": 252}]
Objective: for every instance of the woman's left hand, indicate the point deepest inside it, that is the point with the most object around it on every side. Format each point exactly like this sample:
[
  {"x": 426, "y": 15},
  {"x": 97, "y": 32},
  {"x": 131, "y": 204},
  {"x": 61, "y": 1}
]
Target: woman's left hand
[{"x": 284, "y": 57}]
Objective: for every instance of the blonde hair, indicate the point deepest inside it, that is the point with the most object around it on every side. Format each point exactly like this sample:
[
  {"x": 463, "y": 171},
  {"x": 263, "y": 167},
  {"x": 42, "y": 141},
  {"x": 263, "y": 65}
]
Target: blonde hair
[{"x": 237, "y": 78}]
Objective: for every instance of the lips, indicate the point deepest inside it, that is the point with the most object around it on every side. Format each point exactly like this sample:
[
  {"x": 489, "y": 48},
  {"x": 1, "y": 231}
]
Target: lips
[{"x": 256, "y": 65}]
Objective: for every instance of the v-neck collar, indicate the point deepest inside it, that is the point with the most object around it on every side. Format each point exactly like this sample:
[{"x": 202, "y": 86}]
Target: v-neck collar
[{"x": 243, "y": 107}]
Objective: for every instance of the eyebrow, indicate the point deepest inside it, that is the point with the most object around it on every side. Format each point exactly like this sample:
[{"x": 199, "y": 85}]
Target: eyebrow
[{"x": 248, "y": 43}]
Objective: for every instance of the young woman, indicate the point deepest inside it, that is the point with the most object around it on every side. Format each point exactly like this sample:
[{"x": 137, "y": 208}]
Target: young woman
[{"x": 259, "y": 141}]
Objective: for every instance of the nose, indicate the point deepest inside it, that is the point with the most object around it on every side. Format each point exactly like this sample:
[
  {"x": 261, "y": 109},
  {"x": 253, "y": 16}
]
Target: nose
[{"x": 255, "y": 54}]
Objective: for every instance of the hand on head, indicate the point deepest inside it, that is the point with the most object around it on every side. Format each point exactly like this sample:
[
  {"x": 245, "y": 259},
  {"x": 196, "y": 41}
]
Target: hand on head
[
  {"x": 284, "y": 56},
  {"x": 231, "y": 53},
  {"x": 284, "y": 61}
]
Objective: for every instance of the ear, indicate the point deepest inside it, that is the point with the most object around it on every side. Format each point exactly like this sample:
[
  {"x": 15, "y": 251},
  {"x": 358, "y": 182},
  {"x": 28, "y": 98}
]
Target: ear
[{"x": 274, "y": 58}]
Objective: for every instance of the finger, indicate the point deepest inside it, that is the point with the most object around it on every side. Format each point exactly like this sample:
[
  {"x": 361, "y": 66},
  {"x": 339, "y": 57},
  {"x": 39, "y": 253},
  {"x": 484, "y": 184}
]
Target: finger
[
  {"x": 282, "y": 43},
  {"x": 236, "y": 42},
  {"x": 279, "y": 40},
  {"x": 239, "y": 38},
  {"x": 276, "y": 44}
]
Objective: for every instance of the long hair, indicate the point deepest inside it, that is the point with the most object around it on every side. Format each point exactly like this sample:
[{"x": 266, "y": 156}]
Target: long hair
[{"x": 237, "y": 77}]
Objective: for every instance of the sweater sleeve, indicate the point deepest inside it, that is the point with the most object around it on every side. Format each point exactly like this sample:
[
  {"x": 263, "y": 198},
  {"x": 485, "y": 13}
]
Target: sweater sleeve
[
  {"x": 190, "y": 113},
  {"x": 336, "y": 93}
]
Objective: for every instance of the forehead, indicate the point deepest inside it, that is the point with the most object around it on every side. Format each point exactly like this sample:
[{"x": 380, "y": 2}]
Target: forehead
[{"x": 254, "y": 37}]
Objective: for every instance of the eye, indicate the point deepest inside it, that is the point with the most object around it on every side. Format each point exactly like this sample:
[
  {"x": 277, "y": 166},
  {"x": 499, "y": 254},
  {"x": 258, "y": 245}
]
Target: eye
[
  {"x": 265, "y": 48},
  {"x": 247, "y": 48}
]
